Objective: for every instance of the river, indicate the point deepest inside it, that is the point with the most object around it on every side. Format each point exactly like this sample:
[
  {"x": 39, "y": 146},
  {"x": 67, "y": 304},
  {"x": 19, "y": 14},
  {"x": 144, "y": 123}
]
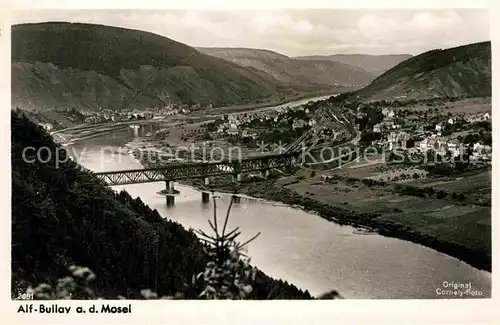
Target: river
[{"x": 295, "y": 245}]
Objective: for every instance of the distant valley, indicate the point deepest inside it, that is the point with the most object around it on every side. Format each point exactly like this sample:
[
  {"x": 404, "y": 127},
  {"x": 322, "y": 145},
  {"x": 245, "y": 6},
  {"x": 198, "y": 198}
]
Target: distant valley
[
  {"x": 63, "y": 65},
  {"x": 375, "y": 64},
  {"x": 294, "y": 71}
]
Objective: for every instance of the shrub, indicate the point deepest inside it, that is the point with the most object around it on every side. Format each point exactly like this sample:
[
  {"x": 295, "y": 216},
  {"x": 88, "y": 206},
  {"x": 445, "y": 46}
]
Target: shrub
[
  {"x": 441, "y": 195},
  {"x": 368, "y": 182},
  {"x": 75, "y": 286}
]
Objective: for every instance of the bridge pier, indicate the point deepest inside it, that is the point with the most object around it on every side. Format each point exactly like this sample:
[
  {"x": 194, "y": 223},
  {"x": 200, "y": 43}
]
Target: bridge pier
[
  {"x": 170, "y": 200},
  {"x": 205, "y": 197},
  {"x": 169, "y": 187}
]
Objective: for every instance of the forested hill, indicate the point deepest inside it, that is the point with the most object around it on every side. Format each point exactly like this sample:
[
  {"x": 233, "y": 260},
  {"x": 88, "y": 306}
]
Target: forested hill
[
  {"x": 63, "y": 215},
  {"x": 91, "y": 66},
  {"x": 453, "y": 72}
]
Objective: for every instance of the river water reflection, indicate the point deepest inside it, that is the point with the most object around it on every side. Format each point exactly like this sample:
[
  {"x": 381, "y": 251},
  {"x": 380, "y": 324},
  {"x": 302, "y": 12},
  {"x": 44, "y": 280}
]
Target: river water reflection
[{"x": 297, "y": 246}]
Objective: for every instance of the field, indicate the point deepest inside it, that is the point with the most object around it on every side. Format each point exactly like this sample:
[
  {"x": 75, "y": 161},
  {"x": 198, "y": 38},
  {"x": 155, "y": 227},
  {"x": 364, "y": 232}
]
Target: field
[
  {"x": 364, "y": 167},
  {"x": 468, "y": 106},
  {"x": 473, "y": 183},
  {"x": 465, "y": 224}
]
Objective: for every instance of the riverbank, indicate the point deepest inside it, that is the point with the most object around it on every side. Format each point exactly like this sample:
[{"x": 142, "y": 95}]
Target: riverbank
[
  {"x": 83, "y": 222},
  {"x": 394, "y": 223},
  {"x": 248, "y": 107},
  {"x": 273, "y": 190}
]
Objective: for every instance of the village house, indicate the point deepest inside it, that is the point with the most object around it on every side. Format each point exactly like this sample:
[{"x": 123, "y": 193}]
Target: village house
[
  {"x": 400, "y": 140},
  {"x": 233, "y": 129},
  {"x": 383, "y": 126},
  {"x": 437, "y": 144},
  {"x": 299, "y": 124},
  {"x": 91, "y": 119},
  {"x": 221, "y": 128},
  {"x": 119, "y": 118},
  {"x": 455, "y": 148},
  {"x": 426, "y": 144},
  {"x": 147, "y": 115},
  {"x": 47, "y": 126},
  {"x": 86, "y": 113},
  {"x": 388, "y": 113},
  {"x": 481, "y": 152},
  {"x": 477, "y": 118},
  {"x": 441, "y": 146}
]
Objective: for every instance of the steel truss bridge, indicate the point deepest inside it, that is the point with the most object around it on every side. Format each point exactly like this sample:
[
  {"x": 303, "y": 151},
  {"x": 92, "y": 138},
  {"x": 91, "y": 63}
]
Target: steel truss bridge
[{"x": 173, "y": 172}]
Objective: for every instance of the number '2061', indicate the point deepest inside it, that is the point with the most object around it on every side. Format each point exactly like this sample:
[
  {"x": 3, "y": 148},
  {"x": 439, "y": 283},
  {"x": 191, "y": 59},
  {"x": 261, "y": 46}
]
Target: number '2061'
[{"x": 25, "y": 296}]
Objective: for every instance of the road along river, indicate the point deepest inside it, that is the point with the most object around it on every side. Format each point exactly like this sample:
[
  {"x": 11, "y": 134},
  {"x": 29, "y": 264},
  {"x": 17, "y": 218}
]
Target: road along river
[{"x": 300, "y": 247}]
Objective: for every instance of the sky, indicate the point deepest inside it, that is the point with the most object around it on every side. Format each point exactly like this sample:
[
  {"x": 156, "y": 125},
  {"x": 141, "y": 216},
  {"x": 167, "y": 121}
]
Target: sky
[{"x": 295, "y": 32}]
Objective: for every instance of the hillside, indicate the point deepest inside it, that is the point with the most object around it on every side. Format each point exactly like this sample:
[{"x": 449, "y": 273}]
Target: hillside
[
  {"x": 375, "y": 64},
  {"x": 91, "y": 66},
  {"x": 293, "y": 71},
  {"x": 63, "y": 215},
  {"x": 459, "y": 71}
]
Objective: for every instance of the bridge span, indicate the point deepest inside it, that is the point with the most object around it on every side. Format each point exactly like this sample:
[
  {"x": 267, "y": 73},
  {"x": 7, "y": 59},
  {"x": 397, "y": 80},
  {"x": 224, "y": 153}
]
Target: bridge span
[{"x": 169, "y": 173}]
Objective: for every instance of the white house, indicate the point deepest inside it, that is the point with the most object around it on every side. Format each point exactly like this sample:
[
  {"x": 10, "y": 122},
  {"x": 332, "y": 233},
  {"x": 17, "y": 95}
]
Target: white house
[
  {"x": 397, "y": 140},
  {"x": 481, "y": 152},
  {"x": 477, "y": 146},
  {"x": 232, "y": 130},
  {"x": 441, "y": 145},
  {"x": 439, "y": 127},
  {"x": 455, "y": 148},
  {"x": 424, "y": 145},
  {"x": 47, "y": 126},
  {"x": 389, "y": 113},
  {"x": 377, "y": 128},
  {"x": 451, "y": 121},
  {"x": 298, "y": 124},
  {"x": 486, "y": 116}
]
